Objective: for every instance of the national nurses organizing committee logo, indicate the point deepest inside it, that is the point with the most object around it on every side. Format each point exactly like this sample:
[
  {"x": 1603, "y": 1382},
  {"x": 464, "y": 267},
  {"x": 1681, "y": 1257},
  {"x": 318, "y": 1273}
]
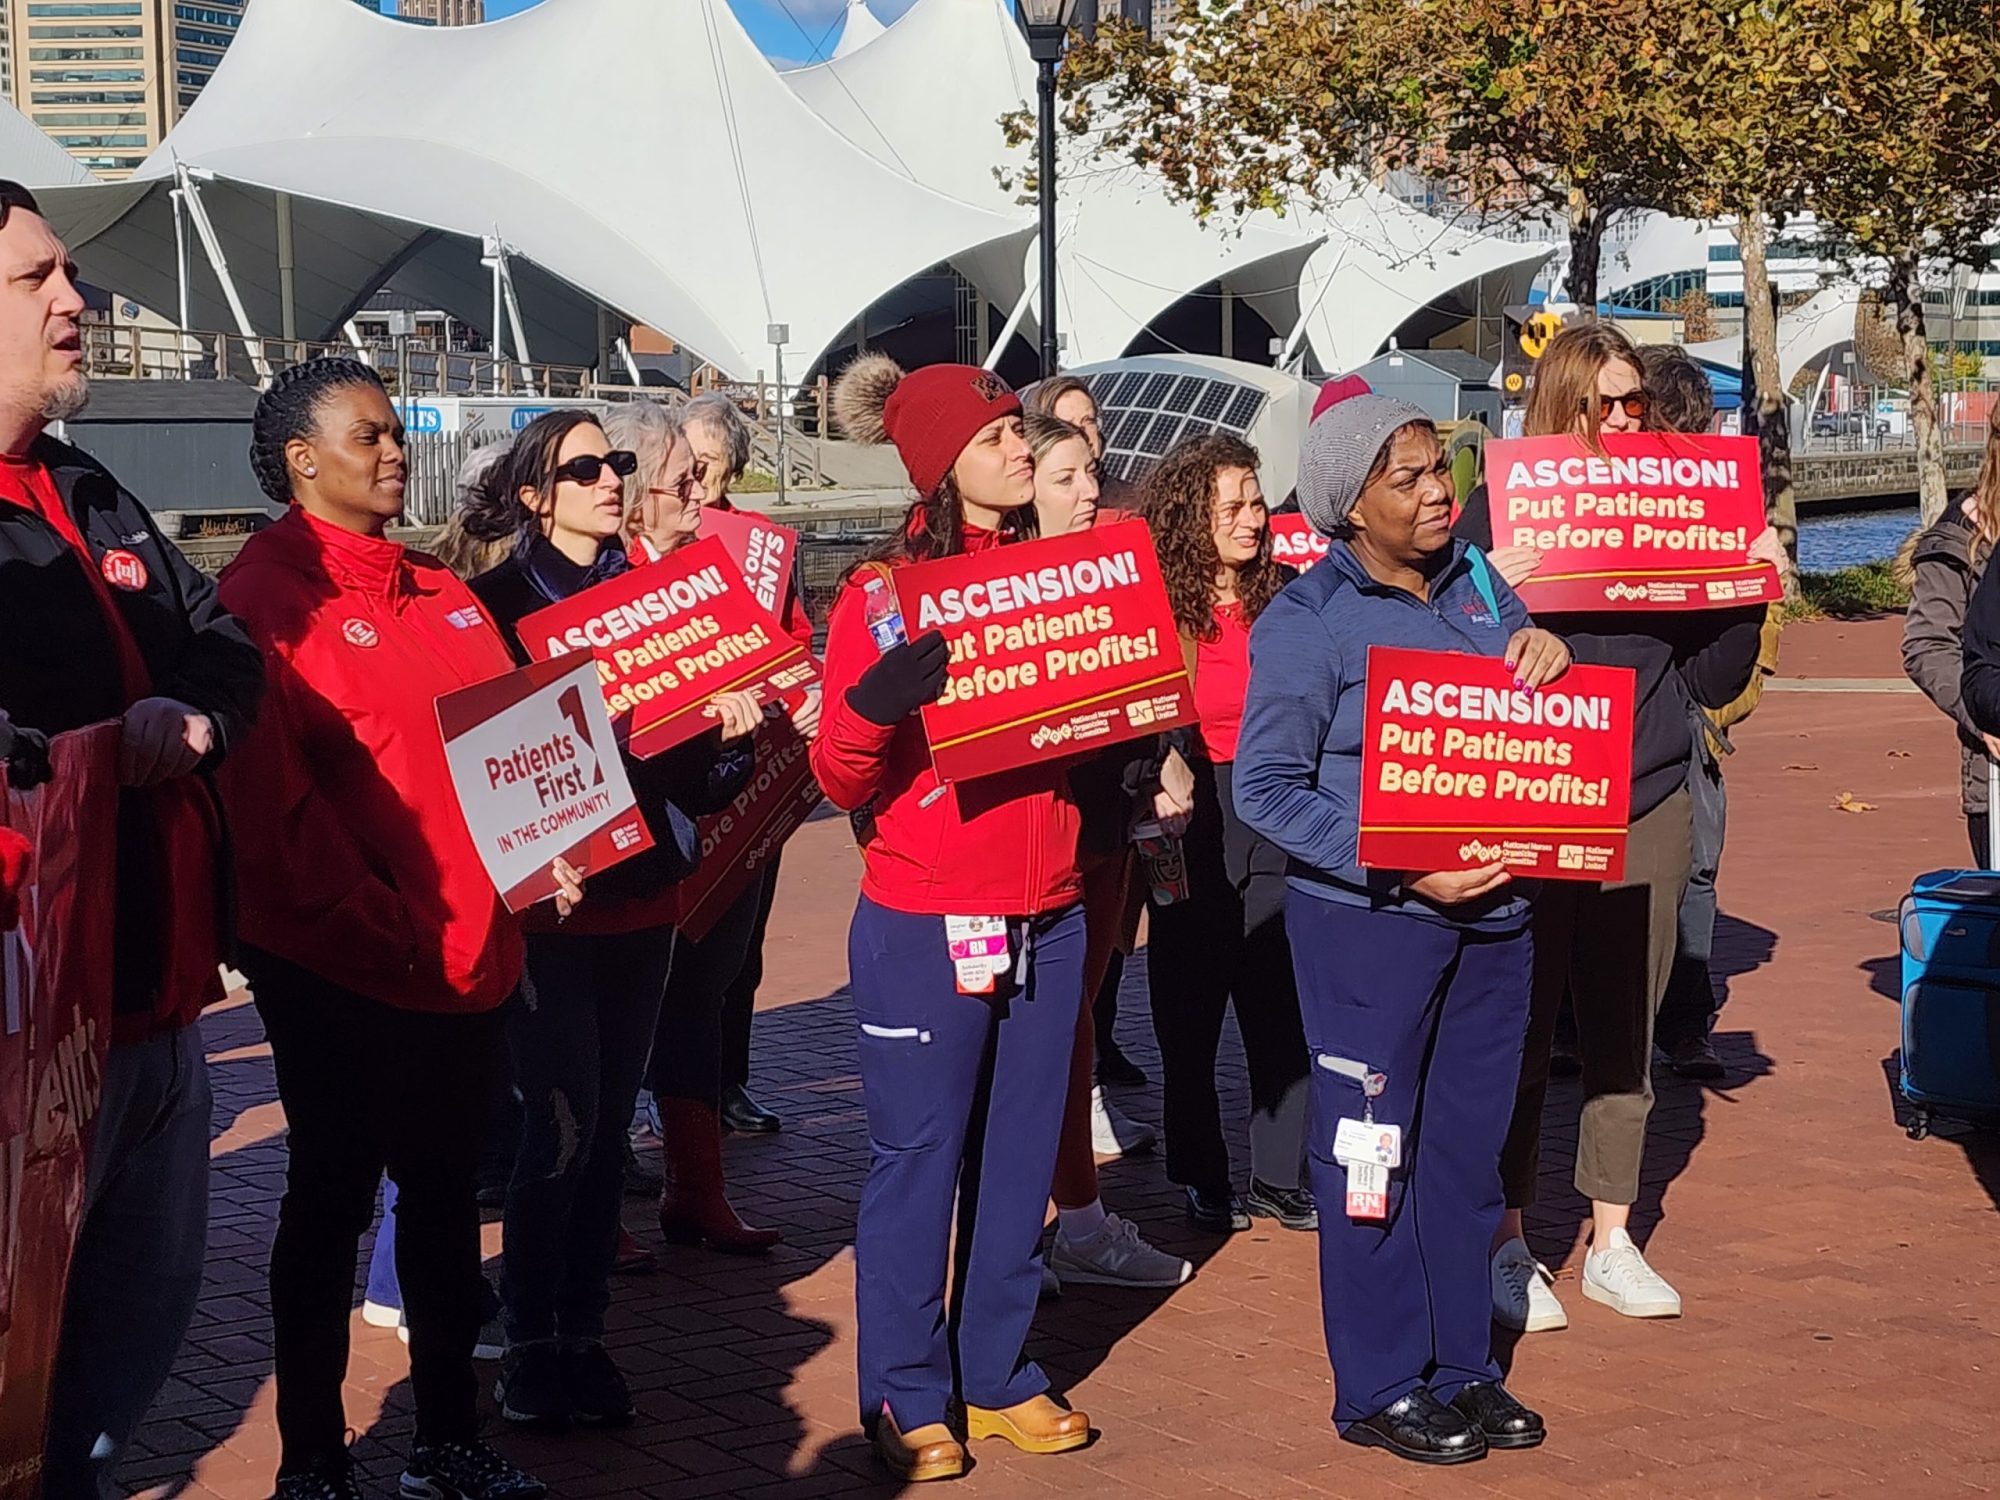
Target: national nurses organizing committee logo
[
  {"x": 357, "y": 632},
  {"x": 124, "y": 570}
]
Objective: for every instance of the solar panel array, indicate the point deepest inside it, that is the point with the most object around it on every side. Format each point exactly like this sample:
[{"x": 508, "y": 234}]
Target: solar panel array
[{"x": 1146, "y": 412}]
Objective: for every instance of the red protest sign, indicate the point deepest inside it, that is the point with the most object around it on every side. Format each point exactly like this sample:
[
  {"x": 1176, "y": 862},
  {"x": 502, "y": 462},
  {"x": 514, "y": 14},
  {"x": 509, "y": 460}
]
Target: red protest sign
[
  {"x": 763, "y": 551},
  {"x": 55, "y": 973},
  {"x": 538, "y": 777},
  {"x": 1057, "y": 646},
  {"x": 1460, "y": 769},
  {"x": 1657, "y": 521},
  {"x": 1294, "y": 543},
  {"x": 668, "y": 637},
  {"x": 739, "y": 843}
]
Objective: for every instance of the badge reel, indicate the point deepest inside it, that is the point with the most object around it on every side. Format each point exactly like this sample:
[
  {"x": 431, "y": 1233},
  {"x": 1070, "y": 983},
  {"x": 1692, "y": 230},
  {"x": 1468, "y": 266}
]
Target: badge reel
[
  {"x": 1369, "y": 1152},
  {"x": 978, "y": 947}
]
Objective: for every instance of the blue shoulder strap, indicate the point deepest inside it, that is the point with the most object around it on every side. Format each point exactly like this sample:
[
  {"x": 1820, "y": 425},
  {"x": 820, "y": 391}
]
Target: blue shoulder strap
[{"x": 1483, "y": 580}]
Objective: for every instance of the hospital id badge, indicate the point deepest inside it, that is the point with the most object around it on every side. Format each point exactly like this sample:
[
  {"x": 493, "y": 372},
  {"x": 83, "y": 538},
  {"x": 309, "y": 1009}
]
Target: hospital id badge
[
  {"x": 1367, "y": 1190},
  {"x": 978, "y": 947},
  {"x": 1366, "y": 1141}
]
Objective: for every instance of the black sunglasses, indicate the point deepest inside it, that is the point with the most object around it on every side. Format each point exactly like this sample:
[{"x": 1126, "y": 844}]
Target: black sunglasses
[
  {"x": 585, "y": 468},
  {"x": 1634, "y": 403}
]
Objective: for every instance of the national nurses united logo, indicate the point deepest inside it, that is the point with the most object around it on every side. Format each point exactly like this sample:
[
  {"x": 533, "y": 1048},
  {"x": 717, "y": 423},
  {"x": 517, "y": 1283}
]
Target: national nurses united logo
[
  {"x": 124, "y": 570},
  {"x": 358, "y": 632}
]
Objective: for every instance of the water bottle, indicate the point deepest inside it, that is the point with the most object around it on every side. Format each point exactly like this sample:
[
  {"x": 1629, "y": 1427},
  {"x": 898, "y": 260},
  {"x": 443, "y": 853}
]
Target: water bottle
[{"x": 883, "y": 614}]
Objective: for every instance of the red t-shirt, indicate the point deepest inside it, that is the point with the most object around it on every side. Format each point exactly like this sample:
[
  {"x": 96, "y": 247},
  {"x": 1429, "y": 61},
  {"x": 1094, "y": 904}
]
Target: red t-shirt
[
  {"x": 190, "y": 828},
  {"x": 1221, "y": 678}
]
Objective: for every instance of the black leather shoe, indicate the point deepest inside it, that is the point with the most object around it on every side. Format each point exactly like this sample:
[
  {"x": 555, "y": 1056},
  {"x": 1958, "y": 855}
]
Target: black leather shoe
[
  {"x": 745, "y": 1115},
  {"x": 1217, "y": 1212},
  {"x": 1422, "y": 1429},
  {"x": 1293, "y": 1208},
  {"x": 1505, "y": 1421}
]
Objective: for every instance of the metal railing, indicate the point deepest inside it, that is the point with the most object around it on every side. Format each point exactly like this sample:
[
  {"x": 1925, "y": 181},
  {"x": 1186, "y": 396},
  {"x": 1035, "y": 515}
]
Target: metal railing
[
  {"x": 409, "y": 366},
  {"x": 802, "y": 408}
]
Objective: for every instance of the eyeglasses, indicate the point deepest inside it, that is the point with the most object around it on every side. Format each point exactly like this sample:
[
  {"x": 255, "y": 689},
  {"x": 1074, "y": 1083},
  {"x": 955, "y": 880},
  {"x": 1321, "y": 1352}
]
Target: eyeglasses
[
  {"x": 1634, "y": 403},
  {"x": 586, "y": 467}
]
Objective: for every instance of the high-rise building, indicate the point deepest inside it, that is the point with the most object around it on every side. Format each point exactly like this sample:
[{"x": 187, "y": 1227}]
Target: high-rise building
[
  {"x": 443, "y": 12},
  {"x": 107, "y": 79}
]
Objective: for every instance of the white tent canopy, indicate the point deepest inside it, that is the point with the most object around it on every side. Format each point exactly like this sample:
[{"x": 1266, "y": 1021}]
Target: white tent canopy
[
  {"x": 1125, "y": 251},
  {"x": 858, "y": 29},
  {"x": 30, "y": 158},
  {"x": 406, "y": 137},
  {"x": 1817, "y": 327}
]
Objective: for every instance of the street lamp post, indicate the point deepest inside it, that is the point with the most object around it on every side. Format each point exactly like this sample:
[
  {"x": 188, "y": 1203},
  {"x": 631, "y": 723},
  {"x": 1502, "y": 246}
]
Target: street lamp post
[{"x": 1046, "y": 24}]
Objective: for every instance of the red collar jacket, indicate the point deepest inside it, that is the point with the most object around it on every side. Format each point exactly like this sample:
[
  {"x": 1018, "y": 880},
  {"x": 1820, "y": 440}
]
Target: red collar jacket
[
  {"x": 999, "y": 846},
  {"x": 353, "y": 858}
]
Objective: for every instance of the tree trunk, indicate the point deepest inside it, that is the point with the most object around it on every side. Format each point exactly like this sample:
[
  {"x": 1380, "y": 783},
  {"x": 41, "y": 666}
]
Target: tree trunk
[
  {"x": 1586, "y": 246},
  {"x": 1772, "y": 416},
  {"x": 1906, "y": 295}
]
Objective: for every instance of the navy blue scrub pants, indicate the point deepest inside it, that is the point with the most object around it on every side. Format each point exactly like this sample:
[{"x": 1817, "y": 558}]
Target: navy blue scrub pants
[
  {"x": 1439, "y": 1010},
  {"x": 945, "y": 1076}
]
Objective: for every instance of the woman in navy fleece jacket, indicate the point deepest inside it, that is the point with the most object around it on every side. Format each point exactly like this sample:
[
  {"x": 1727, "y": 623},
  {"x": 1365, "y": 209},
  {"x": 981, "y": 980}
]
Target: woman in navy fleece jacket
[{"x": 1413, "y": 985}]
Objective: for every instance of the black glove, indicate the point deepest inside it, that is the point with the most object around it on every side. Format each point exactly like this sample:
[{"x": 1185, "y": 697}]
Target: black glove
[
  {"x": 25, "y": 754},
  {"x": 905, "y": 679}
]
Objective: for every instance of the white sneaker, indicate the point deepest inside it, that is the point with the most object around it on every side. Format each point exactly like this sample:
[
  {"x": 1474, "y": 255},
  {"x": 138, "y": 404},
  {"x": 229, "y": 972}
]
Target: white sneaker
[
  {"x": 1522, "y": 1295},
  {"x": 380, "y": 1315},
  {"x": 1619, "y": 1277},
  {"x": 1111, "y": 1134},
  {"x": 1116, "y": 1256},
  {"x": 1051, "y": 1283}
]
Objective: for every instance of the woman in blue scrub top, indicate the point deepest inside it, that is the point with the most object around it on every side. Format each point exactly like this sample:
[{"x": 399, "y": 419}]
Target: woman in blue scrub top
[{"x": 1413, "y": 985}]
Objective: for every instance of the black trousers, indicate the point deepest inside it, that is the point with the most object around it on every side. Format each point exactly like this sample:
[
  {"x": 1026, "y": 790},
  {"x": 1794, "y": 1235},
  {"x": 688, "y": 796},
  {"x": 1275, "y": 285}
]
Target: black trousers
[
  {"x": 691, "y": 1043},
  {"x": 577, "y": 1031},
  {"x": 739, "y": 999},
  {"x": 367, "y": 1088},
  {"x": 1226, "y": 941}
]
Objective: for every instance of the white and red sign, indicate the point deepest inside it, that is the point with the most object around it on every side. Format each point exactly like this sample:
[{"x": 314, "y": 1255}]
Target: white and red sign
[
  {"x": 1657, "y": 520},
  {"x": 1294, "y": 543},
  {"x": 1459, "y": 768},
  {"x": 668, "y": 638},
  {"x": 764, "y": 552},
  {"x": 55, "y": 976},
  {"x": 739, "y": 843},
  {"x": 1057, "y": 646},
  {"x": 539, "y": 778}
]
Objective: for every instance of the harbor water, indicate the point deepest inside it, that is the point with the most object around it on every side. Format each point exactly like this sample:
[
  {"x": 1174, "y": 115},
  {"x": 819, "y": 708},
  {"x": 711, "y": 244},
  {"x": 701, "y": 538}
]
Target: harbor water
[{"x": 1828, "y": 543}]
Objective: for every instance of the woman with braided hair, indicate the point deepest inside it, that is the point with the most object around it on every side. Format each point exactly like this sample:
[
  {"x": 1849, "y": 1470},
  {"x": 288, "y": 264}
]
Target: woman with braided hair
[{"x": 378, "y": 950}]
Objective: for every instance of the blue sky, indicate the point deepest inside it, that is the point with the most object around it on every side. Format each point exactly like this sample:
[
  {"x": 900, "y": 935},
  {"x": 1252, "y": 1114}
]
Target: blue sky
[{"x": 788, "y": 30}]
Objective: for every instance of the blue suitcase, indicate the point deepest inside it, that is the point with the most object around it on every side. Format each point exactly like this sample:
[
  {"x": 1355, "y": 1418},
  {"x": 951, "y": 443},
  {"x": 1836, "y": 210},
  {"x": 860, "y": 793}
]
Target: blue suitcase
[{"x": 1950, "y": 924}]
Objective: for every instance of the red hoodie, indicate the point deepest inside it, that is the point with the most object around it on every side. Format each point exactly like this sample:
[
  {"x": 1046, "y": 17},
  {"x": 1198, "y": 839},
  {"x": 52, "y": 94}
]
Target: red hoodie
[
  {"x": 1001, "y": 846},
  {"x": 353, "y": 858}
]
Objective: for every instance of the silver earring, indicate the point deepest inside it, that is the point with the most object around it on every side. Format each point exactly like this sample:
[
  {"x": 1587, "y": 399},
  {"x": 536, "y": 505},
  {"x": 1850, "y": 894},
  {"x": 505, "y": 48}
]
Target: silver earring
[{"x": 311, "y": 472}]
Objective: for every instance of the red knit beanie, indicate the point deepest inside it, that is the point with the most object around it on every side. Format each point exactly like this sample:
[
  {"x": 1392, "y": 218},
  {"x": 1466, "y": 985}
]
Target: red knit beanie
[
  {"x": 929, "y": 414},
  {"x": 1338, "y": 390}
]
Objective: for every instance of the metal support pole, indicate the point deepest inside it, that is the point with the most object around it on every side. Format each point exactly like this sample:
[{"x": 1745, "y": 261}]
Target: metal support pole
[
  {"x": 211, "y": 245},
  {"x": 1011, "y": 327},
  {"x": 779, "y": 351},
  {"x": 288, "y": 322},
  {"x": 491, "y": 260},
  {"x": 1045, "y": 93}
]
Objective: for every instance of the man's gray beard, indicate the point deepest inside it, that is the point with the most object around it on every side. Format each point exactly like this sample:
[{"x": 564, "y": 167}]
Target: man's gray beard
[{"x": 67, "y": 399}]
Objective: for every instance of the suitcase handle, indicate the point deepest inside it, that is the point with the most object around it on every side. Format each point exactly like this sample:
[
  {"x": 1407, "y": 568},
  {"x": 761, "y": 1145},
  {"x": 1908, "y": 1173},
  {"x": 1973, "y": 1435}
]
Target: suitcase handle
[{"x": 1992, "y": 813}]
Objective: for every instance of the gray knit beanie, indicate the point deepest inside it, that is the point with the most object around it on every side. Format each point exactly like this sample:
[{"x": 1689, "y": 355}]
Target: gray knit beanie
[{"x": 1339, "y": 449}]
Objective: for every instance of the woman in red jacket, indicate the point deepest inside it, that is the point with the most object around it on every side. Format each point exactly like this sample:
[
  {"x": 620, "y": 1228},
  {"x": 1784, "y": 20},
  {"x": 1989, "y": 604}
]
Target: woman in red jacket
[
  {"x": 934, "y": 1041},
  {"x": 381, "y": 953}
]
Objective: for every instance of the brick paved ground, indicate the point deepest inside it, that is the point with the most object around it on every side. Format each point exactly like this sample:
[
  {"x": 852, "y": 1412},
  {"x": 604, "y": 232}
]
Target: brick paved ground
[{"x": 1843, "y": 1302}]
